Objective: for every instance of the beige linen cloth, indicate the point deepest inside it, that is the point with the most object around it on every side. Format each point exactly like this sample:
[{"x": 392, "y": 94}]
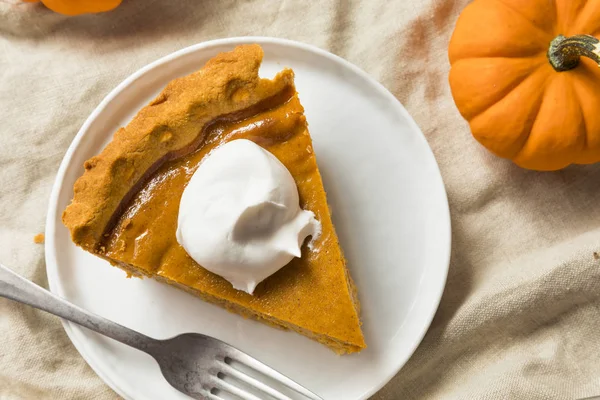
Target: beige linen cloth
[{"x": 520, "y": 316}]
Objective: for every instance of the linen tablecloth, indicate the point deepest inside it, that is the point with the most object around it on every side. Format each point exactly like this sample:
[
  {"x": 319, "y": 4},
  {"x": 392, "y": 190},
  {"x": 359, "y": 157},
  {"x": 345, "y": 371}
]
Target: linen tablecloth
[{"x": 520, "y": 316}]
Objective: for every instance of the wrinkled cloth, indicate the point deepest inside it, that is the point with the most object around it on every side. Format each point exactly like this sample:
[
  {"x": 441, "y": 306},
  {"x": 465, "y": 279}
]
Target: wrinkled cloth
[{"x": 520, "y": 315}]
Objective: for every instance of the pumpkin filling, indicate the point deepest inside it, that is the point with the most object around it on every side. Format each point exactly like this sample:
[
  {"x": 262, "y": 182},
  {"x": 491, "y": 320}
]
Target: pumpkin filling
[
  {"x": 144, "y": 231},
  {"x": 141, "y": 237}
]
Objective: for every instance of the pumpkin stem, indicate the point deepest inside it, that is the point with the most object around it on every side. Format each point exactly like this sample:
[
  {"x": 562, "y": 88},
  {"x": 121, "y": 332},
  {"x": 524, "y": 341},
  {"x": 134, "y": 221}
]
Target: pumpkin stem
[{"x": 564, "y": 52}]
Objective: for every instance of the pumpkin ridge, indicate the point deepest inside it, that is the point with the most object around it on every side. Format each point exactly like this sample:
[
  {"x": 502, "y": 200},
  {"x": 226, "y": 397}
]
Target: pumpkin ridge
[
  {"x": 584, "y": 122},
  {"x": 501, "y": 94},
  {"x": 565, "y": 12},
  {"x": 482, "y": 30},
  {"x": 533, "y": 55},
  {"x": 530, "y": 130},
  {"x": 585, "y": 82},
  {"x": 580, "y": 100},
  {"x": 507, "y": 92},
  {"x": 538, "y": 107},
  {"x": 534, "y": 112},
  {"x": 524, "y": 18},
  {"x": 578, "y": 23}
]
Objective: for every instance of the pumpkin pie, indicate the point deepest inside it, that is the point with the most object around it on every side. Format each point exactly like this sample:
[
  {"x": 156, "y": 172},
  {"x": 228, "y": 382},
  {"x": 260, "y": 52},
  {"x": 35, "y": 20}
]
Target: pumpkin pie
[{"x": 125, "y": 205}]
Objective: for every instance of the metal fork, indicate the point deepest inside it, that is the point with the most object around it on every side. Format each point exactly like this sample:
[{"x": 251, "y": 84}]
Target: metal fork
[{"x": 197, "y": 365}]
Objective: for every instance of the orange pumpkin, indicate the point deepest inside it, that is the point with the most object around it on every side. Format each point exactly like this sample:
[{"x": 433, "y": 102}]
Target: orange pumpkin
[
  {"x": 525, "y": 75},
  {"x": 76, "y": 7}
]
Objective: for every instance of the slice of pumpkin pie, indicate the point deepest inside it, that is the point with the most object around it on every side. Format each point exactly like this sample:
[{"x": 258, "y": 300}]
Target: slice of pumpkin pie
[{"x": 126, "y": 205}]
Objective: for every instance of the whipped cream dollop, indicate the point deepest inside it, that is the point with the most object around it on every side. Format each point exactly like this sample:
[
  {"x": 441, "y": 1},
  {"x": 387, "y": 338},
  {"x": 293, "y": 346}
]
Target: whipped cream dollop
[{"x": 240, "y": 216}]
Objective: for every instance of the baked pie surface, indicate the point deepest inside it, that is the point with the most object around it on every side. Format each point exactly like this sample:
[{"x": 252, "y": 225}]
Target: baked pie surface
[{"x": 125, "y": 205}]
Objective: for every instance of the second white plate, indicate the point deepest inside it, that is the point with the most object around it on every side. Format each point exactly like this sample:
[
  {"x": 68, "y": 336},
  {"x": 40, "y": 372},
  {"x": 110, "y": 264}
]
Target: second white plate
[{"x": 389, "y": 208}]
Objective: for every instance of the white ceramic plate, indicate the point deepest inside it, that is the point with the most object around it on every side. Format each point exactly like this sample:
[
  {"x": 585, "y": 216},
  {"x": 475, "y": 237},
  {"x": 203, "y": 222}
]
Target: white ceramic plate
[{"x": 389, "y": 208}]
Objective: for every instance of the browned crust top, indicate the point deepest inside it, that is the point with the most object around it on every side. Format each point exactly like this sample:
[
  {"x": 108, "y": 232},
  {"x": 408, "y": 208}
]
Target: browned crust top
[{"x": 173, "y": 121}]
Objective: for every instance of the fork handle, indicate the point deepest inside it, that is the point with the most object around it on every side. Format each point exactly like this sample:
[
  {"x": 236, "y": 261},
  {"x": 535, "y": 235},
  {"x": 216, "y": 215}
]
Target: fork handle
[{"x": 15, "y": 287}]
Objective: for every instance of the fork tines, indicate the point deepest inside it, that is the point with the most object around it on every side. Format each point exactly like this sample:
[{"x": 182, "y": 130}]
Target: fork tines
[{"x": 231, "y": 365}]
